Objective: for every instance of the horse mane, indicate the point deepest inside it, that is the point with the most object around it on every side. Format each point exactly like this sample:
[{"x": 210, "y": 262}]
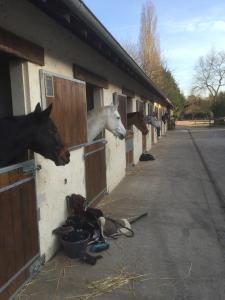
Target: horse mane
[
  {"x": 94, "y": 112},
  {"x": 133, "y": 114}
]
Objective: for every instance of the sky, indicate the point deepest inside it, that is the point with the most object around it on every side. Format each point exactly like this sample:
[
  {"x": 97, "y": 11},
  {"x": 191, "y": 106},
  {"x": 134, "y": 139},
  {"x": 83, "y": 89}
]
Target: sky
[{"x": 186, "y": 29}]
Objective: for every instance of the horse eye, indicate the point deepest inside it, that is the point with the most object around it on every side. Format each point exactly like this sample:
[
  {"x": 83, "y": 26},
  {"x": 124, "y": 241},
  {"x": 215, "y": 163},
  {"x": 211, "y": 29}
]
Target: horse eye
[{"x": 118, "y": 118}]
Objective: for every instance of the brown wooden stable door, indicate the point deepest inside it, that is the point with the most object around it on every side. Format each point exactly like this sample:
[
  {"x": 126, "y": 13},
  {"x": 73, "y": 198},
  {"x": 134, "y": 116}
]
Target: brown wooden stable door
[
  {"x": 19, "y": 241},
  {"x": 69, "y": 108},
  {"x": 95, "y": 168}
]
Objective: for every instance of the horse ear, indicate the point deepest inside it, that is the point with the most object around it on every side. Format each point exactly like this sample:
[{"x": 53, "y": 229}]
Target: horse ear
[
  {"x": 47, "y": 111},
  {"x": 38, "y": 108},
  {"x": 40, "y": 115},
  {"x": 116, "y": 104}
]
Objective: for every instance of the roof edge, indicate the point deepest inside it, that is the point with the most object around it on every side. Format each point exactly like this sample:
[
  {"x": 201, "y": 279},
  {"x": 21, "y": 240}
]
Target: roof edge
[{"x": 79, "y": 8}]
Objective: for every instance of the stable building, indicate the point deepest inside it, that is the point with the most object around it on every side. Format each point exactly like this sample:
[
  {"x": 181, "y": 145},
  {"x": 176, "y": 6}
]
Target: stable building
[{"x": 56, "y": 51}]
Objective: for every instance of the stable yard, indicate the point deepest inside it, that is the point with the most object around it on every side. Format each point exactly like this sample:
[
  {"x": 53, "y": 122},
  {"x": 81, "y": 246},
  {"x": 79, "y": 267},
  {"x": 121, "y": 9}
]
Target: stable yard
[{"x": 178, "y": 250}]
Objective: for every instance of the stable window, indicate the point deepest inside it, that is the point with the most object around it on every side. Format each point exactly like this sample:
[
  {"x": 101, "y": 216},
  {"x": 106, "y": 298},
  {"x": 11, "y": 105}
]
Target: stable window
[
  {"x": 5, "y": 88},
  {"x": 94, "y": 97},
  {"x": 122, "y": 108},
  {"x": 8, "y": 70},
  {"x": 157, "y": 112},
  {"x": 160, "y": 113},
  {"x": 49, "y": 87},
  {"x": 94, "y": 102},
  {"x": 129, "y": 110},
  {"x": 94, "y": 89},
  {"x": 69, "y": 112},
  {"x": 90, "y": 97},
  {"x": 150, "y": 108},
  {"x": 140, "y": 106},
  {"x": 129, "y": 105}
]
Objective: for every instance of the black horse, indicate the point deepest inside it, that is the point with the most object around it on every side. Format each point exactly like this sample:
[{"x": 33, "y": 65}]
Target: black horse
[{"x": 34, "y": 131}]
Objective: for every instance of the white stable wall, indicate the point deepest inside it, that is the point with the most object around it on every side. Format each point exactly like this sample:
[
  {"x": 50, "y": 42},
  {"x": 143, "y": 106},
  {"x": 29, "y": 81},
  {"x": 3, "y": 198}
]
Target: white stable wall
[
  {"x": 149, "y": 138},
  {"x": 62, "y": 50},
  {"x": 115, "y": 148}
]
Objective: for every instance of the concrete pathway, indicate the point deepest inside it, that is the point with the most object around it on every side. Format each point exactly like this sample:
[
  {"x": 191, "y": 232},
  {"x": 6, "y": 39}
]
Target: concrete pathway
[{"x": 178, "y": 249}]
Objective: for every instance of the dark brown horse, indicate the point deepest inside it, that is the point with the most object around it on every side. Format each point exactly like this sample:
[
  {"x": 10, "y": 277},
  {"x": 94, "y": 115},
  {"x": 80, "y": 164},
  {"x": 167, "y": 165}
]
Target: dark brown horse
[
  {"x": 137, "y": 119},
  {"x": 34, "y": 131}
]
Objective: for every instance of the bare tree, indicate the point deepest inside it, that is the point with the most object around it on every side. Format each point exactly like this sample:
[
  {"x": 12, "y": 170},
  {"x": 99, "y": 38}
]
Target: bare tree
[
  {"x": 197, "y": 105},
  {"x": 132, "y": 49},
  {"x": 210, "y": 73},
  {"x": 149, "y": 42},
  {"x": 146, "y": 52}
]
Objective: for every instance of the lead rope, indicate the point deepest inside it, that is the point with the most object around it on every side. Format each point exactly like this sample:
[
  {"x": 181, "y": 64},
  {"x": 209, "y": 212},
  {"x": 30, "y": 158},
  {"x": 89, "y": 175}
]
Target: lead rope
[{"x": 121, "y": 226}]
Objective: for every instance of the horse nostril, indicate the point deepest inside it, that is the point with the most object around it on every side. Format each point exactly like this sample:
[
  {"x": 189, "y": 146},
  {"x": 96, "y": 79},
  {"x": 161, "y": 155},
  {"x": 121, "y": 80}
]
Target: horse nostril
[
  {"x": 67, "y": 156},
  {"x": 64, "y": 156}
]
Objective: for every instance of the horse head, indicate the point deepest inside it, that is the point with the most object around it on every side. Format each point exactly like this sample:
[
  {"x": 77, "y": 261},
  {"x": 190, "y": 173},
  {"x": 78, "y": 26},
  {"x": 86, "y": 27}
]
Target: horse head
[
  {"x": 114, "y": 123},
  {"x": 46, "y": 140},
  {"x": 138, "y": 119},
  {"x": 151, "y": 119}
]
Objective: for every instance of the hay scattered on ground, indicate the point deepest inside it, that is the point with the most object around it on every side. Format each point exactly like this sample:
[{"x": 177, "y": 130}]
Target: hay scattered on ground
[
  {"x": 99, "y": 287},
  {"x": 59, "y": 273},
  {"x": 109, "y": 284}
]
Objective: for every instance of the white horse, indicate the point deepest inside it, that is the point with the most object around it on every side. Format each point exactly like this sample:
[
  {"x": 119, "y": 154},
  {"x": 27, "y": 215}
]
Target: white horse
[
  {"x": 106, "y": 117},
  {"x": 151, "y": 119}
]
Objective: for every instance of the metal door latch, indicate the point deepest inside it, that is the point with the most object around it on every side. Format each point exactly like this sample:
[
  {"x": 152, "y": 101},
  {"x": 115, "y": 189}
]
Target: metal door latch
[{"x": 31, "y": 169}]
